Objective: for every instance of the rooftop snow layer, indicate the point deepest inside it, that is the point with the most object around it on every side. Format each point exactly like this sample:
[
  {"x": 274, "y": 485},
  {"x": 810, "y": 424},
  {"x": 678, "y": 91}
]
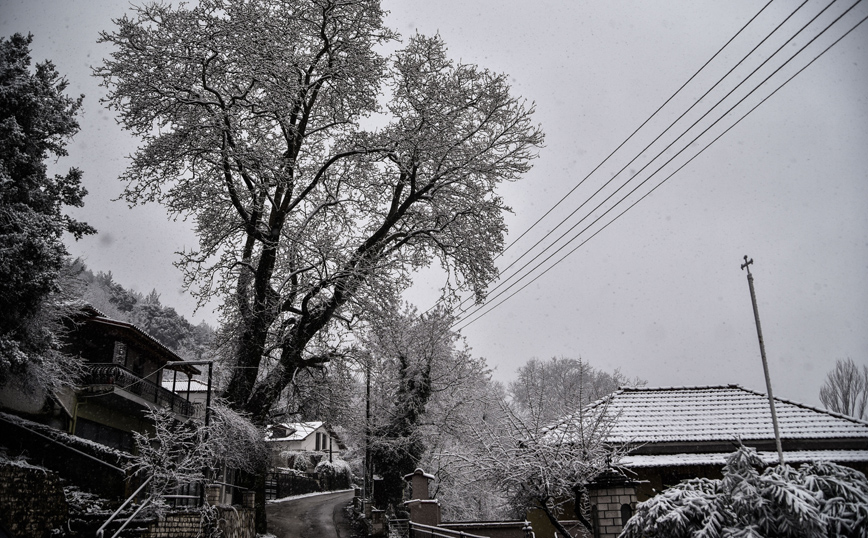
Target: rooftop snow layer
[
  {"x": 717, "y": 413},
  {"x": 792, "y": 457},
  {"x": 296, "y": 431}
]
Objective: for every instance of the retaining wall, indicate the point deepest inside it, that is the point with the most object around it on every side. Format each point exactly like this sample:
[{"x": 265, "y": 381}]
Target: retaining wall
[{"x": 32, "y": 502}]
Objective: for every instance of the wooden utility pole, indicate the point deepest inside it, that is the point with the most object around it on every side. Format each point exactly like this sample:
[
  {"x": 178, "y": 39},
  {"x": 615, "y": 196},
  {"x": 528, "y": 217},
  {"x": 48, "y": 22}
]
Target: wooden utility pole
[
  {"x": 759, "y": 332},
  {"x": 366, "y": 484}
]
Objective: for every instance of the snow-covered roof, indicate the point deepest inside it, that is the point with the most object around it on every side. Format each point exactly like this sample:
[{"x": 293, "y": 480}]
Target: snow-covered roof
[
  {"x": 719, "y": 458},
  {"x": 296, "y": 431},
  {"x": 717, "y": 413}
]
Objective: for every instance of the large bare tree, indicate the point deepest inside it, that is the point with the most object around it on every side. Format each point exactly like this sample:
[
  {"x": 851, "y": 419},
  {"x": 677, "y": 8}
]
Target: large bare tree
[
  {"x": 319, "y": 174},
  {"x": 846, "y": 389}
]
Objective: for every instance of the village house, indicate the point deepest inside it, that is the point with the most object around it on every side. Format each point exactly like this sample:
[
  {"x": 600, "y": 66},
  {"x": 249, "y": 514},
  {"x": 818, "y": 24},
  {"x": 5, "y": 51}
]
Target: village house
[
  {"x": 86, "y": 432},
  {"x": 124, "y": 370},
  {"x": 301, "y": 437},
  {"x": 677, "y": 433}
]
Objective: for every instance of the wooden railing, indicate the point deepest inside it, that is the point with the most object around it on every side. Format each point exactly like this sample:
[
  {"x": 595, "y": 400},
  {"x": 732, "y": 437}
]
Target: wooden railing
[{"x": 120, "y": 377}]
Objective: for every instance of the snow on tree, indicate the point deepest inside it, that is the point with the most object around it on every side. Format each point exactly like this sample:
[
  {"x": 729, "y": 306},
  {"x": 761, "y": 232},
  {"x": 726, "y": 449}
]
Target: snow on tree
[
  {"x": 540, "y": 464},
  {"x": 251, "y": 116},
  {"x": 178, "y": 453},
  {"x": 420, "y": 368},
  {"x": 846, "y": 389},
  {"x": 334, "y": 474},
  {"x": 816, "y": 500},
  {"x": 36, "y": 121}
]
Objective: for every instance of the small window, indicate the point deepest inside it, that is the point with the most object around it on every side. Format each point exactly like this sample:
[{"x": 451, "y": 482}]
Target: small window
[
  {"x": 120, "y": 353},
  {"x": 626, "y": 513}
]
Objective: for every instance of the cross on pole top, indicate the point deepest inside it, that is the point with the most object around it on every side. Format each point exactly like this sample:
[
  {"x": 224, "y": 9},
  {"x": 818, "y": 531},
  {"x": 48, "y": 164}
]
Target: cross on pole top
[{"x": 747, "y": 263}]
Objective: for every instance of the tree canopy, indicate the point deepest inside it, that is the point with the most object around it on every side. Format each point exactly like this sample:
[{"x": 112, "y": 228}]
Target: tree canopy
[
  {"x": 319, "y": 173},
  {"x": 550, "y": 389},
  {"x": 36, "y": 121}
]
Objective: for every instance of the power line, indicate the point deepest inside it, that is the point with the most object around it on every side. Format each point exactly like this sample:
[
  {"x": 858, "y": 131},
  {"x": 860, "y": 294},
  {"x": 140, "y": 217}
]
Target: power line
[
  {"x": 745, "y": 79},
  {"x": 648, "y": 119},
  {"x": 860, "y": 22}
]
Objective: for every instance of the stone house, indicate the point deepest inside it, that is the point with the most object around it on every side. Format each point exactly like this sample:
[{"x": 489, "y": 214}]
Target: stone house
[{"x": 677, "y": 433}]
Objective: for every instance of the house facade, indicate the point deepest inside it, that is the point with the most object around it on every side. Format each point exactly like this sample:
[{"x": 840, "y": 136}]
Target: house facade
[
  {"x": 677, "y": 433},
  {"x": 301, "y": 437},
  {"x": 124, "y": 371}
]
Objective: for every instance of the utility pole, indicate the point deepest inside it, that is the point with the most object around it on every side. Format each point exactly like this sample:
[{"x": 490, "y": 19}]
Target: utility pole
[
  {"x": 366, "y": 484},
  {"x": 759, "y": 332}
]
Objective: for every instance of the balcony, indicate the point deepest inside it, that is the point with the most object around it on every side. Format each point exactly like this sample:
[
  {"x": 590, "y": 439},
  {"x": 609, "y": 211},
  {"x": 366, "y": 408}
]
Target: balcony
[{"x": 122, "y": 380}]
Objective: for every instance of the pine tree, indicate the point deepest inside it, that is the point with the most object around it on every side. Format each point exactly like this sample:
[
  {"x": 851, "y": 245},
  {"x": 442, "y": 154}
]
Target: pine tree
[{"x": 36, "y": 121}]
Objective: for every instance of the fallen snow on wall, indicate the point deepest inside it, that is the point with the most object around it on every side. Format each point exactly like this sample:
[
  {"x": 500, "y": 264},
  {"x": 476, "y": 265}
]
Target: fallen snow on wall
[{"x": 293, "y": 497}]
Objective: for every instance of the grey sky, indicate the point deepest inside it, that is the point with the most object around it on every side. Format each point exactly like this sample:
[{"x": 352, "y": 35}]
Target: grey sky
[{"x": 659, "y": 293}]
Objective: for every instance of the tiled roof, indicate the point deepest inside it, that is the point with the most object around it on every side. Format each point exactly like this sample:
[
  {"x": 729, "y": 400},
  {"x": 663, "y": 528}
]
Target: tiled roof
[
  {"x": 719, "y": 458},
  {"x": 717, "y": 413},
  {"x": 297, "y": 431}
]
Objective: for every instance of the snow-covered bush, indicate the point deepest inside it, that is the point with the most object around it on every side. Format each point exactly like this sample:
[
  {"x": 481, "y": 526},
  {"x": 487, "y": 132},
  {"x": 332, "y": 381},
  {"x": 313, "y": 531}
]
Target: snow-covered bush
[
  {"x": 334, "y": 475},
  {"x": 178, "y": 451},
  {"x": 296, "y": 460},
  {"x": 751, "y": 500}
]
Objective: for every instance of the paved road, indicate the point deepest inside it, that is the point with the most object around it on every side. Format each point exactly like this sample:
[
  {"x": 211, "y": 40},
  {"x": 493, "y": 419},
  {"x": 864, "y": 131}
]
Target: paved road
[{"x": 321, "y": 516}]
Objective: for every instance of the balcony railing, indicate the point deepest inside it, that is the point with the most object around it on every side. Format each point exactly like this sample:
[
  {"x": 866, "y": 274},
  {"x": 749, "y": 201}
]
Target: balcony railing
[{"x": 120, "y": 377}]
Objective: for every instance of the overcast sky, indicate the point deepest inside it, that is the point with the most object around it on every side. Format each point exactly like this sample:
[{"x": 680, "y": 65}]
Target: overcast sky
[{"x": 658, "y": 293}]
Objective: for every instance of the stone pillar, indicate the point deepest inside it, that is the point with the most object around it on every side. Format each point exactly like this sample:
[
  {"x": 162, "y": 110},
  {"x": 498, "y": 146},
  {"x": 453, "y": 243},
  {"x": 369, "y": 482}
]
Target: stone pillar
[
  {"x": 422, "y": 508},
  {"x": 613, "y": 502},
  {"x": 212, "y": 494},
  {"x": 418, "y": 480}
]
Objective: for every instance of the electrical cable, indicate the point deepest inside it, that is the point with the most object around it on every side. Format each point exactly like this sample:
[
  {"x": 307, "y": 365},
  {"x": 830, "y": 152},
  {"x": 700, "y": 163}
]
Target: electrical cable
[
  {"x": 679, "y": 168},
  {"x": 667, "y": 147},
  {"x": 606, "y": 159},
  {"x": 695, "y": 103}
]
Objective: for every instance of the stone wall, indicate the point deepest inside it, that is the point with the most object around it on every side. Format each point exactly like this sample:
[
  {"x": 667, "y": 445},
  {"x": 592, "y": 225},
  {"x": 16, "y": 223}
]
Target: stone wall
[
  {"x": 31, "y": 500},
  {"x": 230, "y": 521},
  {"x": 611, "y": 508}
]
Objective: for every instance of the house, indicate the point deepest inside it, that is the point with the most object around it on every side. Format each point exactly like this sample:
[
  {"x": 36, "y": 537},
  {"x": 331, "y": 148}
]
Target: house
[
  {"x": 194, "y": 391},
  {"x": 124, "y": 368},
  {"x": 678, "y": 433},
  {"x": 124, "y": 371},
  {"x": 301, "y": 437}
]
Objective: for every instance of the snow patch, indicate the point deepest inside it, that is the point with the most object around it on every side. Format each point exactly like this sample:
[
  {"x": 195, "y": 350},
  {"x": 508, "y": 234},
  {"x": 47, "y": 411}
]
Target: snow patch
[{"x": 314, "y": 494}]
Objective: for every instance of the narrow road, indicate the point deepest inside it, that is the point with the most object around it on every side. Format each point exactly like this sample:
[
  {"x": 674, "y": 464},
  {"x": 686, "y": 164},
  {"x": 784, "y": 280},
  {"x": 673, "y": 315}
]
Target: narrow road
[{"x": 320, "y": 516}]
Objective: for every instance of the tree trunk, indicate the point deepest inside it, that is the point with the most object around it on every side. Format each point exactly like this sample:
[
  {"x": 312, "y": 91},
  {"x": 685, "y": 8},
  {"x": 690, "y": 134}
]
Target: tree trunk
[
  {"x": 558, "y": 525},
  {"x": 259, "y": 488}
]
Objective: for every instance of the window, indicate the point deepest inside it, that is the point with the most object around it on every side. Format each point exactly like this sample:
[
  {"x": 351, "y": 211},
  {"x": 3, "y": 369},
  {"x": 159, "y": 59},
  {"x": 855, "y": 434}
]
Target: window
[
  {"x": 120, "y": 353},
  {"x": 626, "y": 513}
]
